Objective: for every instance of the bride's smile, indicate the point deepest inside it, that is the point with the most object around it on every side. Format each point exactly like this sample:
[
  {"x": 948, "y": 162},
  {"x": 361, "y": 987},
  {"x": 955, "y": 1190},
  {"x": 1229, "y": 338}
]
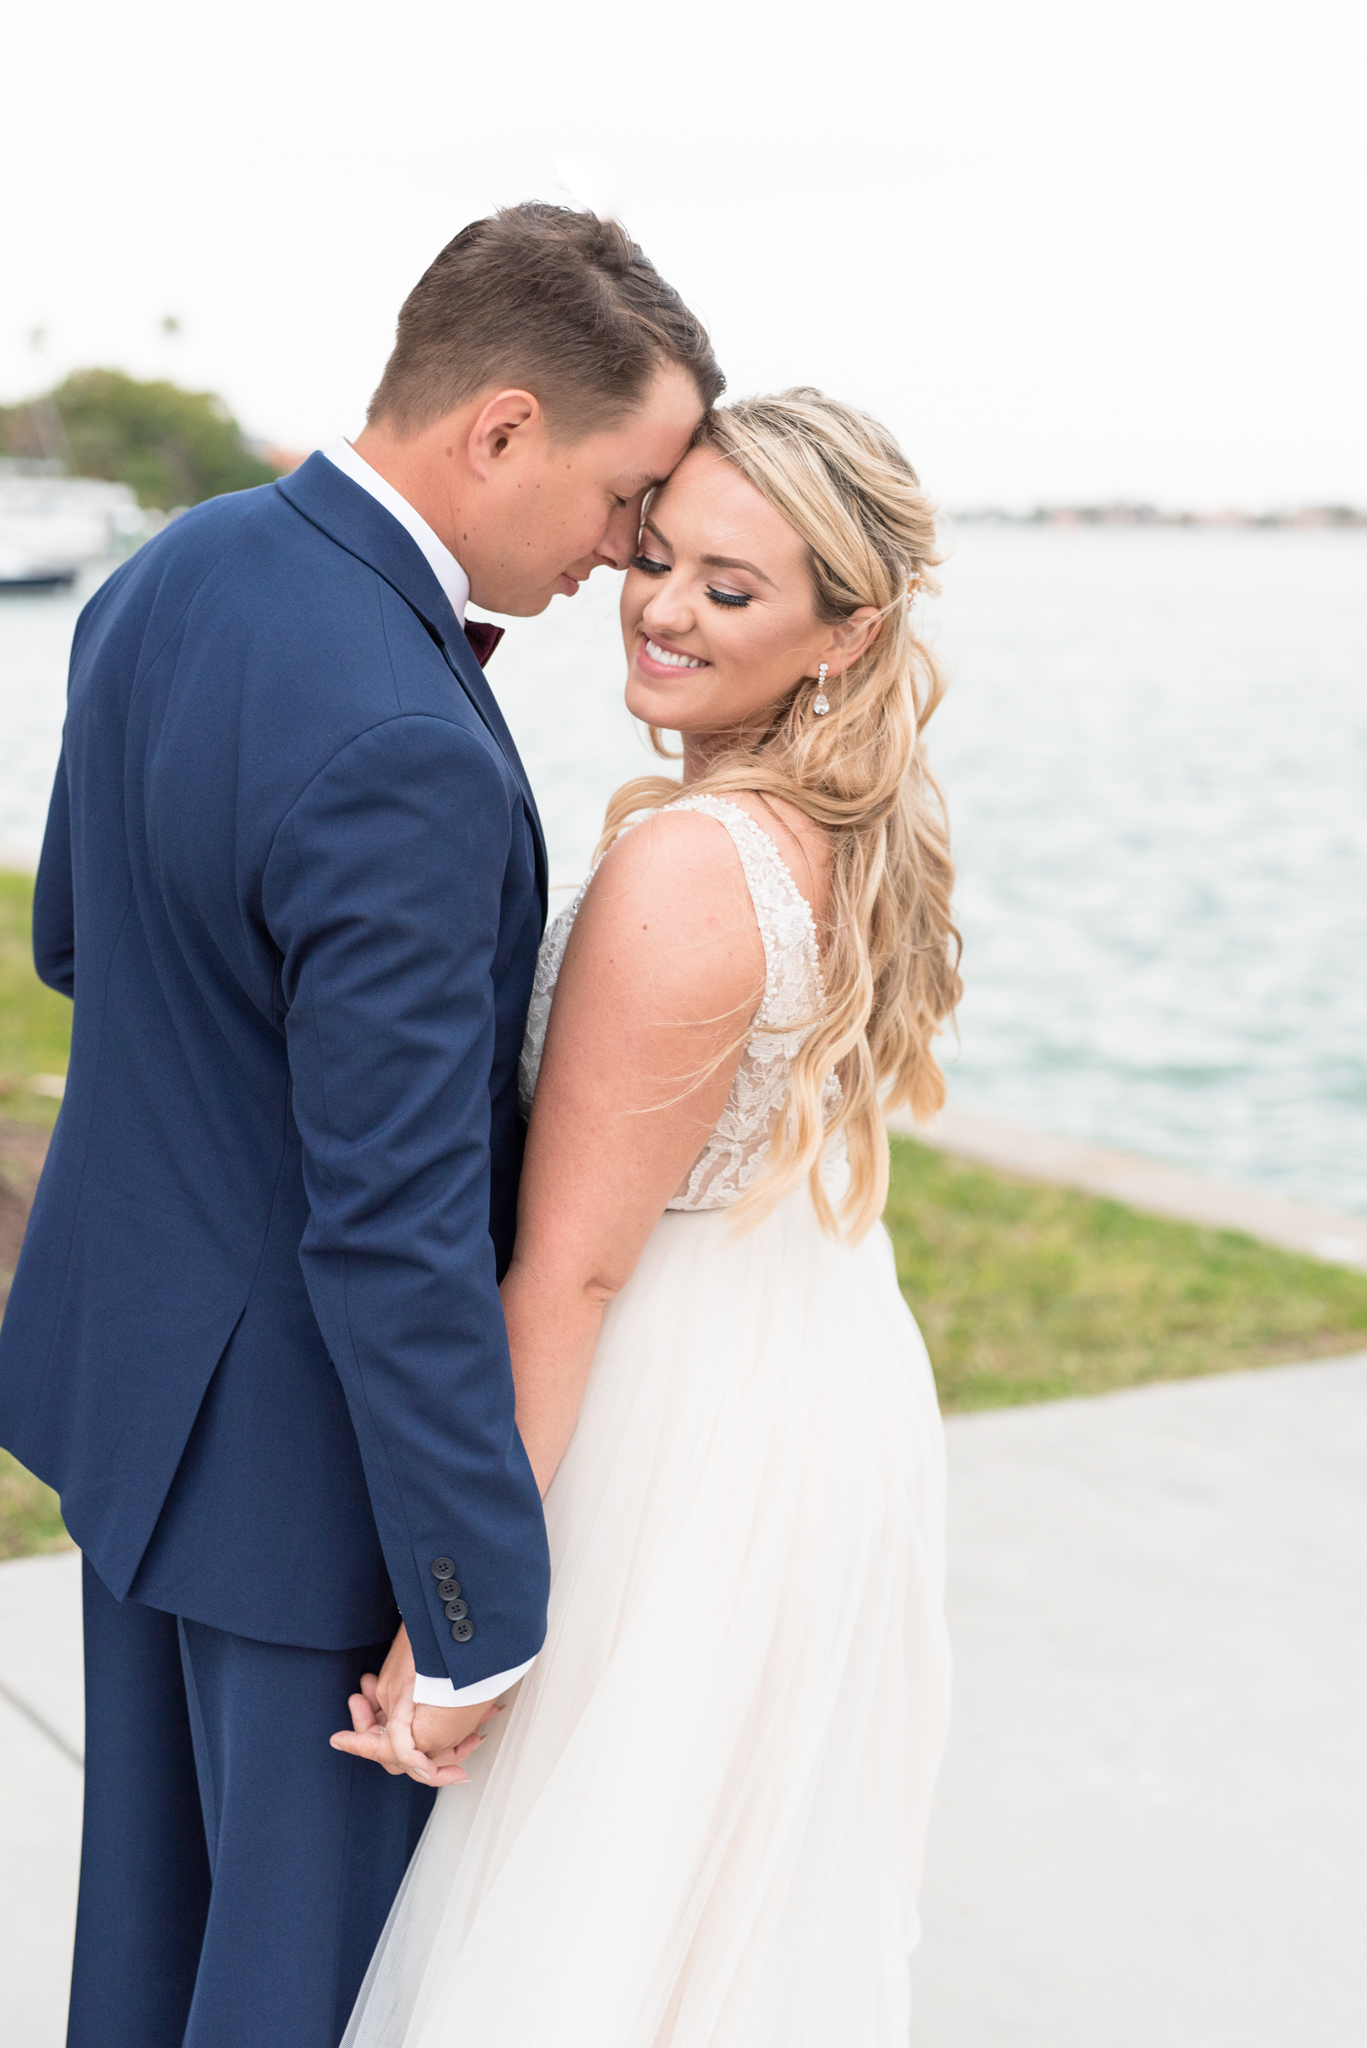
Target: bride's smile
[{"x": 654, "y": 656}]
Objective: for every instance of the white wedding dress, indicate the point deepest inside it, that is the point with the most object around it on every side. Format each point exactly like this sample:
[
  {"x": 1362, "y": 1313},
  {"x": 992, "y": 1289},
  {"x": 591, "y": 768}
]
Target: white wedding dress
[{"x": 700, "y": 1823}]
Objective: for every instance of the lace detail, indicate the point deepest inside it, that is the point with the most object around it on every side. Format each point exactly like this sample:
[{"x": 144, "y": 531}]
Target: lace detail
[{"x": 738, "y": 1150}]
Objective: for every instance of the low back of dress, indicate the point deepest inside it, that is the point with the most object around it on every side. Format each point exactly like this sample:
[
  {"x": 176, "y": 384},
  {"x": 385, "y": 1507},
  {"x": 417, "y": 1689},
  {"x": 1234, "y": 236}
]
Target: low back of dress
[{"x": 736, "y": 1153}]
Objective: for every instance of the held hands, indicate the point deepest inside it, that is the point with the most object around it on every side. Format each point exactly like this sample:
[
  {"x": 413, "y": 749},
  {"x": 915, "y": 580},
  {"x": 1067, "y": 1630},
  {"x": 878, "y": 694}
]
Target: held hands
[{"x": 426, "y": 1743}]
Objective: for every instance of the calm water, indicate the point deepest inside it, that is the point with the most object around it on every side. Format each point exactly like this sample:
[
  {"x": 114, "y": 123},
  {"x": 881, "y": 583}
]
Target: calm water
[{"x": 1156, "y": 757}]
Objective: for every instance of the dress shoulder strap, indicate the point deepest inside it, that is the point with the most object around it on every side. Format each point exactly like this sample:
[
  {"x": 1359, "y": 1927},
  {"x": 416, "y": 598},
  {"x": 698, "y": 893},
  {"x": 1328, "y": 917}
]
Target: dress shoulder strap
[{"x": 786, "y": 925}]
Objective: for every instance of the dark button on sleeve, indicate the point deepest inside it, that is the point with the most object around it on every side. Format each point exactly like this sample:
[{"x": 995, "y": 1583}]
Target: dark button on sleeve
[
  {"x": 449, "y": 1589},
  {"x": 443, "y": 1568},
  {"x": 462, "y": 1630},
  {"x": 456, "y": 1610}
]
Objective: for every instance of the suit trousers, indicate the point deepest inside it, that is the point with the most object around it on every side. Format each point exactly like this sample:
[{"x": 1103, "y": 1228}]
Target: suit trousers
[{"x": 236, "y": 1872}]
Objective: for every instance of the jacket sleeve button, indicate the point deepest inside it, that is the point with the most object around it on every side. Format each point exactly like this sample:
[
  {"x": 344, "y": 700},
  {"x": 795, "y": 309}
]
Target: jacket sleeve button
[
  {"x": 443, "y": 1568},
  {"x": 456, "y": 1610},
  {"x": 449, "y": 1589},
  {"x": 462, "y": 1630}
]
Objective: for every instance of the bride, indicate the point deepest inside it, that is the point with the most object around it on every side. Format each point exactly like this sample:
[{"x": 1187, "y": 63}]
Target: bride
[{"x": 699, "y": 1824}]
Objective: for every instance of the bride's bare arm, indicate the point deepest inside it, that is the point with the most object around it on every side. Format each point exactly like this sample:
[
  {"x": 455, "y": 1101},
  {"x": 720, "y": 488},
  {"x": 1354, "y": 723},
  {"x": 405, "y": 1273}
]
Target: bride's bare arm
[{"x": 664, "y": 968}]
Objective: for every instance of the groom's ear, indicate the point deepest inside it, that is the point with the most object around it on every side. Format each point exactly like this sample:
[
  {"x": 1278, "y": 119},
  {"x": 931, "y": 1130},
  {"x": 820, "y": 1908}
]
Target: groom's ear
[{"x": 504, "y": 423}]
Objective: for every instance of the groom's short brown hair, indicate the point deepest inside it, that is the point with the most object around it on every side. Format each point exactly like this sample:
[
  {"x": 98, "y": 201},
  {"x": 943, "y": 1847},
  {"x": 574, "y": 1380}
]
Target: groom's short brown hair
[{"x": 560, "y": 302}]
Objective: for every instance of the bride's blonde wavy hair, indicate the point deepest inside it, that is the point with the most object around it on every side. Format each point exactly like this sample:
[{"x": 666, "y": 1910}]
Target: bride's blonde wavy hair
[{"x": 890, "y": 955}]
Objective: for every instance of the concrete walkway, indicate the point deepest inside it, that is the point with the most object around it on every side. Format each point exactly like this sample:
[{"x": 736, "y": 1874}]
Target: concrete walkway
[
  {"x": 40, "y": 1793},
  {"x": 1152, "y": 1824}
]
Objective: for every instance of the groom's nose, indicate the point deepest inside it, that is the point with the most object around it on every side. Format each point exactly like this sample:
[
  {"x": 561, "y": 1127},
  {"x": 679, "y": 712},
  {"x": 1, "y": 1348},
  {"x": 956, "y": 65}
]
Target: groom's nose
[{"x": 618, "y": 544}]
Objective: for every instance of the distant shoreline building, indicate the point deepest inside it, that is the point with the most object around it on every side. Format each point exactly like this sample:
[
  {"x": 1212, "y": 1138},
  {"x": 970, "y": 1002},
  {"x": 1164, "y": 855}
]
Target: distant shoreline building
[{"x": 1123, "y": 514}]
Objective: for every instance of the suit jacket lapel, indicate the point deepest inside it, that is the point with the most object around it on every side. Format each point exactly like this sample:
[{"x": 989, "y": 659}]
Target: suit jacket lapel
[{"x": 361, "y": 525}]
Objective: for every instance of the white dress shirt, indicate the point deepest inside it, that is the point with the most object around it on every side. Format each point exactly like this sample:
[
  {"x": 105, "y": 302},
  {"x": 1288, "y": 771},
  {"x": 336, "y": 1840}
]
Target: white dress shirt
[{"x": 427, "y": 1692}]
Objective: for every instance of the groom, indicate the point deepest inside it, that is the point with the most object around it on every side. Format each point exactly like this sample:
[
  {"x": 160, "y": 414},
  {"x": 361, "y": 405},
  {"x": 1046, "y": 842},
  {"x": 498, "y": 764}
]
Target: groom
[{"x": 294, "y": 879}]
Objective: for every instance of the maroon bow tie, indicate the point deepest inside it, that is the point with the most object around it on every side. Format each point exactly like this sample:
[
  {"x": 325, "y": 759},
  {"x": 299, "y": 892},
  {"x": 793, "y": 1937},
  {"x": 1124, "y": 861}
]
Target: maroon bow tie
[{"x": 483, "y": 639}]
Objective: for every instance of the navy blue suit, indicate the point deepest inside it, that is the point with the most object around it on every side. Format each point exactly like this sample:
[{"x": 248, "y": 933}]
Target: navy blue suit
[{"x": 294, "y": 879}]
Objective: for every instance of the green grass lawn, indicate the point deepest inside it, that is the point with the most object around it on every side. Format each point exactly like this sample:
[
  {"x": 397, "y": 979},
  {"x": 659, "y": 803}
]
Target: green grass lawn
[
  {"x": 35, "y": 1024},
  {"x": 1024, "y": 1292},
  {"x": 30, "y": 1519},
  {"x": 1027, "y": 1293},
  {"x": 35, "y": 1037}
]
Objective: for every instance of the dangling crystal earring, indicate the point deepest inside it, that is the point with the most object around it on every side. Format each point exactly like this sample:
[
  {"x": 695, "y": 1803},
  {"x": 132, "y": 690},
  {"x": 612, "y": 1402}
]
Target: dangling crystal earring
[{"x": 821, "y": 703}]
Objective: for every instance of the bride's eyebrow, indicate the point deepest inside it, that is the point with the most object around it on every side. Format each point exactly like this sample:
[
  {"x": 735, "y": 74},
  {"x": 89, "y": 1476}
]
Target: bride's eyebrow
[
  {"x": 734, "y": 562},
  {"x": 711, "y": 561}
]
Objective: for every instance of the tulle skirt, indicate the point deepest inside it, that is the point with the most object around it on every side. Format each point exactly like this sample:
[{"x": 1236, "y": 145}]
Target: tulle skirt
[{"x": 700, "y": 1823}]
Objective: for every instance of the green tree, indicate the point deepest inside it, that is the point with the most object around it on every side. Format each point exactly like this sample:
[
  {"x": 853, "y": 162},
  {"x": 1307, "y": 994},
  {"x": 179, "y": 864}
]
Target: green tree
[{"x": 174, "y": 447}]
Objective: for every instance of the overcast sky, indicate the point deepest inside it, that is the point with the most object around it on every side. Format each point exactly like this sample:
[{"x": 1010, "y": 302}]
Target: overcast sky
[{"x": 1067, "y": 248}]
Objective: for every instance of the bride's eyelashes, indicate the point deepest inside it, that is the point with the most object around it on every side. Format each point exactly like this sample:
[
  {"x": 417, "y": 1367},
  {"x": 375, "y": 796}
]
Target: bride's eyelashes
[{"x": 650, "y": 566}]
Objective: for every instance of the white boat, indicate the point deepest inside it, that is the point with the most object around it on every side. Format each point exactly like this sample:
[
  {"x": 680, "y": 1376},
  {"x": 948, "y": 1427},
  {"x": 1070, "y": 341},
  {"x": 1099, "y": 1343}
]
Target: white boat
[
  {"x": 20, "y": 570},
  {"x": 51, "y": 526}
]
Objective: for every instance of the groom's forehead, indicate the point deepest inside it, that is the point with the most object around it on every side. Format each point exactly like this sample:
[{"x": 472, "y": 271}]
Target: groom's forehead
[{"x": 631, "y": 482}]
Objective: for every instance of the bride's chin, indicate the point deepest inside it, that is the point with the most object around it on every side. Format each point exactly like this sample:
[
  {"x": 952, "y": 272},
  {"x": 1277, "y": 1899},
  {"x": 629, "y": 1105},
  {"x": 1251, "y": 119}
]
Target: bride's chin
[{"x": 655, "y": 707}]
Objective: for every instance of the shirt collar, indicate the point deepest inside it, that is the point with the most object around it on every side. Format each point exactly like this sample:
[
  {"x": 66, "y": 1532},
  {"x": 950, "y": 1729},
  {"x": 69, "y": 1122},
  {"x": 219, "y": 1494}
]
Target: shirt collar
[{"x": 443, "y": 564}]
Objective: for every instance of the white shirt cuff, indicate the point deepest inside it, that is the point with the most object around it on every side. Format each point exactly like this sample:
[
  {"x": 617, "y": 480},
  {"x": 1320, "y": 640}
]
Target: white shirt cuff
[{"x": 439, "y": 1692}]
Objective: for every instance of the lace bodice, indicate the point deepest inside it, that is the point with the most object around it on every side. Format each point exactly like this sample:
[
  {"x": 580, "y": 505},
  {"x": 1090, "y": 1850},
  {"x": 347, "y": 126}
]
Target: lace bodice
[{"x": 736, "y": 1153}]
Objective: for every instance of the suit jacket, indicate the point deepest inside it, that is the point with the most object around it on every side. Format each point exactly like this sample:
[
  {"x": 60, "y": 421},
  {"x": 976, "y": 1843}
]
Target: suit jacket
[{"x": 294, "y": 879}]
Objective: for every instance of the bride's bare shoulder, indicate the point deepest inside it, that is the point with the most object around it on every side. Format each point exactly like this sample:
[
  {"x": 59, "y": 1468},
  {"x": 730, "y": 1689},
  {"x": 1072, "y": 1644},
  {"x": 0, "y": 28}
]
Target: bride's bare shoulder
[
  {"x": 673, "y": 890},
  {"x": 674, "y": 852}
]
